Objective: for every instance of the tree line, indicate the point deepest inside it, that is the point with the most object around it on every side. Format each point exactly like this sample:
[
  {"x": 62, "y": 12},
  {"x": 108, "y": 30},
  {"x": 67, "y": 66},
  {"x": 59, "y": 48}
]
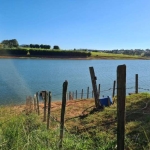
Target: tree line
[
  {"x": 13, "y": 43},
  {"x": 42, "y": 46},
  {"x": 42, "y": 53},
  {"x": 10, "y": 43}
]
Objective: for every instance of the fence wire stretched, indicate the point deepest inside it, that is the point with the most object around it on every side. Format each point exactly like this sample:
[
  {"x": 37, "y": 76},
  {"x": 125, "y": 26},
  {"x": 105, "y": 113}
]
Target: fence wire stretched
[{"x": 78, "y": 107}]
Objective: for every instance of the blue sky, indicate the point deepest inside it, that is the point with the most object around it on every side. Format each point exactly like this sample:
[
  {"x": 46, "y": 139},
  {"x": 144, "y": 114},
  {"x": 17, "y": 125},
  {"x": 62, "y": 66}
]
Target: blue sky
[{"x": 92, "y": 24}]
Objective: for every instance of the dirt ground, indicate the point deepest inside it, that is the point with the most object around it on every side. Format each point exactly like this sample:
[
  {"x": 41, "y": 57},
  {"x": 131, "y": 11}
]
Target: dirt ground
[{"x": 74, "y": 108}]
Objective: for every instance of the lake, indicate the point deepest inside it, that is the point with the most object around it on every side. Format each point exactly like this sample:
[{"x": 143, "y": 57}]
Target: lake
[{"x": 23, "y": 77}]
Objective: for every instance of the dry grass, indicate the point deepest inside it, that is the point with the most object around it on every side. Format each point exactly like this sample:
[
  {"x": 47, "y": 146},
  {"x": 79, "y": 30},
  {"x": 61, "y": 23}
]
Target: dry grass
[{"x": 101, "y": 125}]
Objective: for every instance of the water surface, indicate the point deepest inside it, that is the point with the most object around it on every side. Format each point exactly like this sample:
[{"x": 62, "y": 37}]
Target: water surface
[{"x": 22, "y": 77}]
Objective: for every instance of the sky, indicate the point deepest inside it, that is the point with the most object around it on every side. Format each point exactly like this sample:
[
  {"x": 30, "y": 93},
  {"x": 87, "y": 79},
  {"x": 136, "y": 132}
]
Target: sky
[{"x": 88, "y": 24}]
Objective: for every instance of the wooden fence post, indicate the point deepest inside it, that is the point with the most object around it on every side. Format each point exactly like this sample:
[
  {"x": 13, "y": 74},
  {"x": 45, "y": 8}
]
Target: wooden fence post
[
  {"x": 72, "y": 95},
  {"x": 45, "y": 98},
  {"x": 66, "y": 96},
  {"x": 114, "y": 86},
  {"x": 65, "y": 84},
  {"x": 121, "y": 96},
  {"x": 29, "y": 104},
  {"x": 34, "y": 98},
  {"x": 49, "y": 107},
  {"x": 76, "y": 94},
  {"x": 93, "y": 79},
  {"x": 136, "y": 83},
  {"x": 37, "y": 98},
  {"x": 87, "y": 92},
  {"x": 99, "y": 87},
  {"x": 82, "y": 94},
  {"x": 69, "y": 95}
]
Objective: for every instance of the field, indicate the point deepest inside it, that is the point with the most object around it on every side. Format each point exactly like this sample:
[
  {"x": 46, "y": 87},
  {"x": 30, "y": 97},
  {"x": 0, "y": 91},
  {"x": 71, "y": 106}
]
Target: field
[
  {"x": 103, "y": 55},
  {"x": 50, "y": 53},
  {"x": 84, "y": 128}
]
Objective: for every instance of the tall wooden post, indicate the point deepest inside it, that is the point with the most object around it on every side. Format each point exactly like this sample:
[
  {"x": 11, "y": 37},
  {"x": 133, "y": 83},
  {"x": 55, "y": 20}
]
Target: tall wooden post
[
  {"x": 76, "y": 94},
  {"x": 65, "y": 84},
  {"x": 49, "y": 107},
  {"x": 37, "y": 98},
  {"x": 82, "y": 94},
  {"x": 93, "y": 79},
  {"x": 45, "y": 98},
  {"x": 136, "y": 83},
  {"x": 34, "y": 98},
  {"x": 72, "y": 95},
  {"x": 121, "y": 96},
  {"x": 66, "y": 96},
  {"x": 114, "y": 86},
  {"x": 87, "y": 92},
  {"x": 99, "y": 87}
]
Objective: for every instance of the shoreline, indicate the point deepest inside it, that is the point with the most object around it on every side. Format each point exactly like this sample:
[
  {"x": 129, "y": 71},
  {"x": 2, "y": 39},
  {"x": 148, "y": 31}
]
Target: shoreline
[{"x": 72, "y": 58}]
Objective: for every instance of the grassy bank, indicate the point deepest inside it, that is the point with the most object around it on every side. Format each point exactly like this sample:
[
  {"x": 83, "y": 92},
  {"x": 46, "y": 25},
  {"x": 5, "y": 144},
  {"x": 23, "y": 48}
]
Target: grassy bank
[
  {"x": 84, "y": 128},
  {"x": 102, "y": 55},
  {"x": 50, "y": 53}
]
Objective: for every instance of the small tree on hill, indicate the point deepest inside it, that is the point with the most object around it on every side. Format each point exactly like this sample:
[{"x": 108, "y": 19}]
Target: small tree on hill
[
  {"x": 31, "y": 45},
  {"x": 56, "y": 47},
  {"x": 10, "y": 43}
]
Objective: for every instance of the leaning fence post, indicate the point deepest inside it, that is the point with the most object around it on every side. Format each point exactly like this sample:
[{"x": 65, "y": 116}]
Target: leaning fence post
[
  {"x": 93, "y": 79},
  {"x": 121, "y": 96},
  {"x": 45, "y": 98},
  {"x": 49, "y": 107},
  {"x": 37, "y": 98},
  {"x": 65, "y": 84},
  {"x": 87, "y": 92},
  {"x": 136, "y": 83},
  {"x": 34, "y": 98},
  {"x": 114, "y": 86}
]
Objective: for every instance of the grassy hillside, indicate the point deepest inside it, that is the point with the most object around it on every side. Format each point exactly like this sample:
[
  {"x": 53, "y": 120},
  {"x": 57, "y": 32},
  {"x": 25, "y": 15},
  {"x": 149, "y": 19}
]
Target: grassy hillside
[
  {"x": 103, "y": 55},
  {"x": 84, "y": 128},
  {"x": 50, "y": 53}
]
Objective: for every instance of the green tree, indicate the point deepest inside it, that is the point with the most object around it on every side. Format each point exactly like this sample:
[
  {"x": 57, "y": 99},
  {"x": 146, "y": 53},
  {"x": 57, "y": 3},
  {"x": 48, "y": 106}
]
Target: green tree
[
  {"x": 56, "y": 47},
  {"x": 37, "y": 46},
  {"x": 41, "y": 46},
  {"x": 31, "y": 46},
  {"x": 45, "y": 46},
  {"x": 10, "y": 43},
  {"x": 14, "y": 43},
  {"x": 5, "y": 43}
]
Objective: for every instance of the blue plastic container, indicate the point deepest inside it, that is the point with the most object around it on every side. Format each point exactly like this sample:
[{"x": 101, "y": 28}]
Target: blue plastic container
[{"x": 106, "y": 101}]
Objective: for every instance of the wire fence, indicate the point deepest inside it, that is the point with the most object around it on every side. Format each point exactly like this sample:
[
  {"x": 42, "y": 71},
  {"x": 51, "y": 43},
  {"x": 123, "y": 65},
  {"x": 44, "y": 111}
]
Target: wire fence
[
  {"x": 105, "y": 90},
  {"x": 80, "y": 104}
]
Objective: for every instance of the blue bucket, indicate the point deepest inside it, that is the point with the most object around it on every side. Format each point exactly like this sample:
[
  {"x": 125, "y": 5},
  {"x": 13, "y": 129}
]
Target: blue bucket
[{"x": 106, "y": 101}]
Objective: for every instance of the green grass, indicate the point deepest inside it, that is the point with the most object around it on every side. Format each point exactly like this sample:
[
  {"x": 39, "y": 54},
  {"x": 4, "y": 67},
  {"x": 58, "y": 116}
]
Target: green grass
[
  {"x": 114, "y": 56},
  {"x": 95, "y": 131}
]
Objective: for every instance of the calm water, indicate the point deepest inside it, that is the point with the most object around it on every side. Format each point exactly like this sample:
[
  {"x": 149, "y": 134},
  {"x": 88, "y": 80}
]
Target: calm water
[{"x": 22, "y": 77}]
